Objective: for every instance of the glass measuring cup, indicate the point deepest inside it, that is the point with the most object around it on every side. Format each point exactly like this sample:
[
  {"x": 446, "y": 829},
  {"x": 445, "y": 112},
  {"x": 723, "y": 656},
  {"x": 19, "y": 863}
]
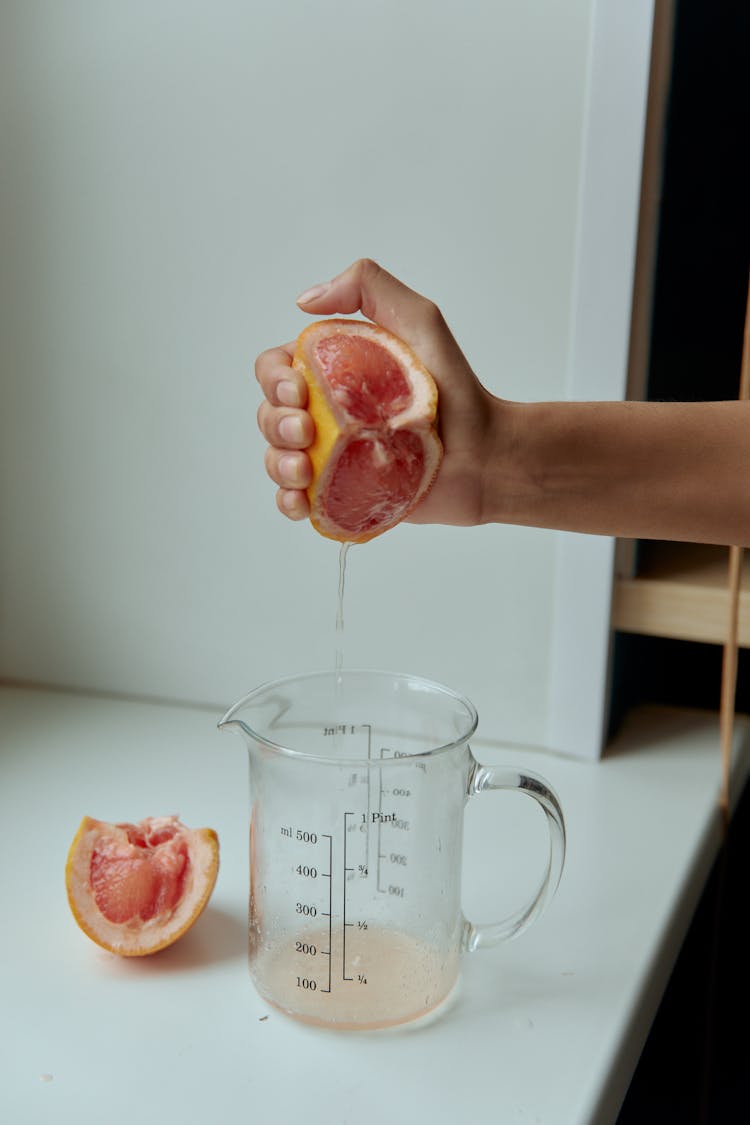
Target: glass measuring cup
[{"x": 358, "y": 782}]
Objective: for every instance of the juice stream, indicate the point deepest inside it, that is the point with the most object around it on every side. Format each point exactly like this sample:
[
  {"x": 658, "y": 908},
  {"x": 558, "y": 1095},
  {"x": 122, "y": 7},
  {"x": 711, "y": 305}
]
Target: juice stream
[{"x": 339, "y": 651}]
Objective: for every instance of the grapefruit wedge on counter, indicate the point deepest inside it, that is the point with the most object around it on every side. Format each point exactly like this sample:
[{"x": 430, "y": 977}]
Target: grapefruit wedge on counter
[
  {"x": 376, "y": 450},
  {"x": 136, "y": 888}
]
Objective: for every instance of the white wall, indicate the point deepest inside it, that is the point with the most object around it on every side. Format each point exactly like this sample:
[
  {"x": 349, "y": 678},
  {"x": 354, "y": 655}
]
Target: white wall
[{"x": 175, "y": 173}]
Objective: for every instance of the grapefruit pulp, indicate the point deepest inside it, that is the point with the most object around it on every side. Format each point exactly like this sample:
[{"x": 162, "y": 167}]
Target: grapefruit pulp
[
  {"x": 137, "y": 888},
  {"x": 376, "y": 450}
]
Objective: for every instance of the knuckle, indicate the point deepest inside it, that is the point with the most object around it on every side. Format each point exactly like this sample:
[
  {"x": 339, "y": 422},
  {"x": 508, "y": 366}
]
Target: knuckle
[
  {"x": 271, "y": 366},
  {"x": 368, "y": 265},
  {"x": 366, "y": 271},
  {"x": 280, "y": 502},
  {"x": 431, "y": 314},
  {"x": 269, "y": 460},
  {"x": 261, "y": 363}
]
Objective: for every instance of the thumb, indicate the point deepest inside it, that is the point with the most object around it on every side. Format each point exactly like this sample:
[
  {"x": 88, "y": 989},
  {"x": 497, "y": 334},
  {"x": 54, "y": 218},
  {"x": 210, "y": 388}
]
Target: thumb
[
  {"x": 383, "y": 299},
  {"x": 366, "y": 287}
]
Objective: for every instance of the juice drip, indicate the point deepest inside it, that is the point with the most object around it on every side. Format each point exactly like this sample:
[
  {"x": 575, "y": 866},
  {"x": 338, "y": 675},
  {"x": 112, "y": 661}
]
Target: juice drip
[{"x": 339, "y": 652}]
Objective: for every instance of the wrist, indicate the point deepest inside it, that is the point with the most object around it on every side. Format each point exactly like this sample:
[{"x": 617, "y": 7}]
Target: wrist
[{"x": 508, "y": 476}]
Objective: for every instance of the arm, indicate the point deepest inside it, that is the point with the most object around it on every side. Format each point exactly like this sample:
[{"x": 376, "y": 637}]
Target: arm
[
  {"x": 637, "y": 470},
  {"x": 642, "y": 470}
]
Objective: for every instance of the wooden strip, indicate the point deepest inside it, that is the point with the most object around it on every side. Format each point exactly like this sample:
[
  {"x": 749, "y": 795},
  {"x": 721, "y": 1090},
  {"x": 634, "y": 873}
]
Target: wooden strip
[
  {"x": 729, "y": 669},
  {"x": 674, "y": 607}
]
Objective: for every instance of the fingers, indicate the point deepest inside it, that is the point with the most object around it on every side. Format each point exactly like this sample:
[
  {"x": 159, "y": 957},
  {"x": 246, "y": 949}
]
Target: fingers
[
  {"x": 290, "y": 469},
  {"x": 280, "y": 383},
  {"x": 287, "y": 427},
  {"x": 282, "y": 417},
  {"x": 293, "y": 505}
]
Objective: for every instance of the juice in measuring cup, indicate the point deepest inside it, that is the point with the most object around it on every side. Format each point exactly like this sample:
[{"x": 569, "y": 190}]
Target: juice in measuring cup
[{"x": 382, "y": 978}]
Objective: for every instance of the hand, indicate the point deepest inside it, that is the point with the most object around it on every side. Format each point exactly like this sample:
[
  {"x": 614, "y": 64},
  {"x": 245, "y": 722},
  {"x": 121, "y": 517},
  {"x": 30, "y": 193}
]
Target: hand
[{"x": 466, "y": 409}]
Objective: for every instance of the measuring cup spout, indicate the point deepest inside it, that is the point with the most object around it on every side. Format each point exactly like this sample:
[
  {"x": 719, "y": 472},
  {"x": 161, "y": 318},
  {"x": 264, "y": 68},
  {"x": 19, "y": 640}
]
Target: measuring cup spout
[
  {"x": 253, "y": 712},
  {"x": 230, "y": 720}
]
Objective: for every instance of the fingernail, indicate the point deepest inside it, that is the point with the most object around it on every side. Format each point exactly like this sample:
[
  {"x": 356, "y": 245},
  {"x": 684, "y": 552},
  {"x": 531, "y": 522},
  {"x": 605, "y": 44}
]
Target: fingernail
[
  {"x": 290, "y": 503},
  {"x": 290, "y": 428},
  {"x": 288, "y": 469},
  {"x": 287, "y": 393},
  {"x": 313, "y": 294}
]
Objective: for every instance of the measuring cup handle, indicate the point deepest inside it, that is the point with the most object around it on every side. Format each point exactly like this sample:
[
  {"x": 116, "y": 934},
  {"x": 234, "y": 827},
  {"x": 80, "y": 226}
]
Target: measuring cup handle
[{"x": 486, "y": 778}]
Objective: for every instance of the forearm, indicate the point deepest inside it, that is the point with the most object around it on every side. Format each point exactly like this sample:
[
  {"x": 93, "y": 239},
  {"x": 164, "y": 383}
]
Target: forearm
[{"x": 637, "y": 470}]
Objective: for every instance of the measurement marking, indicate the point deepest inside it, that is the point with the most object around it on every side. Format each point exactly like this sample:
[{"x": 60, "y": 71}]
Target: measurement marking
[
  {"x": 343, "y": 951},
  {"x": 328, "y": 914},
  {"x": 381, "y": 854},
  {"x": 368, "y": 728}
]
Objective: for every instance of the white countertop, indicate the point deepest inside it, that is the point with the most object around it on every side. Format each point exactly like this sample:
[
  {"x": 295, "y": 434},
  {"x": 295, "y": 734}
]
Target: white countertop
[{"x": 546, "y": 1029}]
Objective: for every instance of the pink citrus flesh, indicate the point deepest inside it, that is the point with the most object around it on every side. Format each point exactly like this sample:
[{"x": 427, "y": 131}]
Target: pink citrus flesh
[
  {"x": 376, "y": 450},
  {"x": 137, "y": 888}
]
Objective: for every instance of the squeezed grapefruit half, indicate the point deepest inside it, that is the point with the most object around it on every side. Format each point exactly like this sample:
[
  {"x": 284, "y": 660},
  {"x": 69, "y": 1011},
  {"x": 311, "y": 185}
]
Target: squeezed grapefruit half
[
  {"x": 376, "y": 450},
  {"x": 136, "y": 888}
]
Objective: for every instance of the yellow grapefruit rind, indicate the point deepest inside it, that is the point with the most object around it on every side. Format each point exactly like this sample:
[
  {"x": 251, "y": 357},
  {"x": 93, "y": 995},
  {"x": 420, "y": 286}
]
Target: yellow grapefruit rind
[
  {"x": 139, "y": 939},
  {"x": 328, "y": 431}
]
